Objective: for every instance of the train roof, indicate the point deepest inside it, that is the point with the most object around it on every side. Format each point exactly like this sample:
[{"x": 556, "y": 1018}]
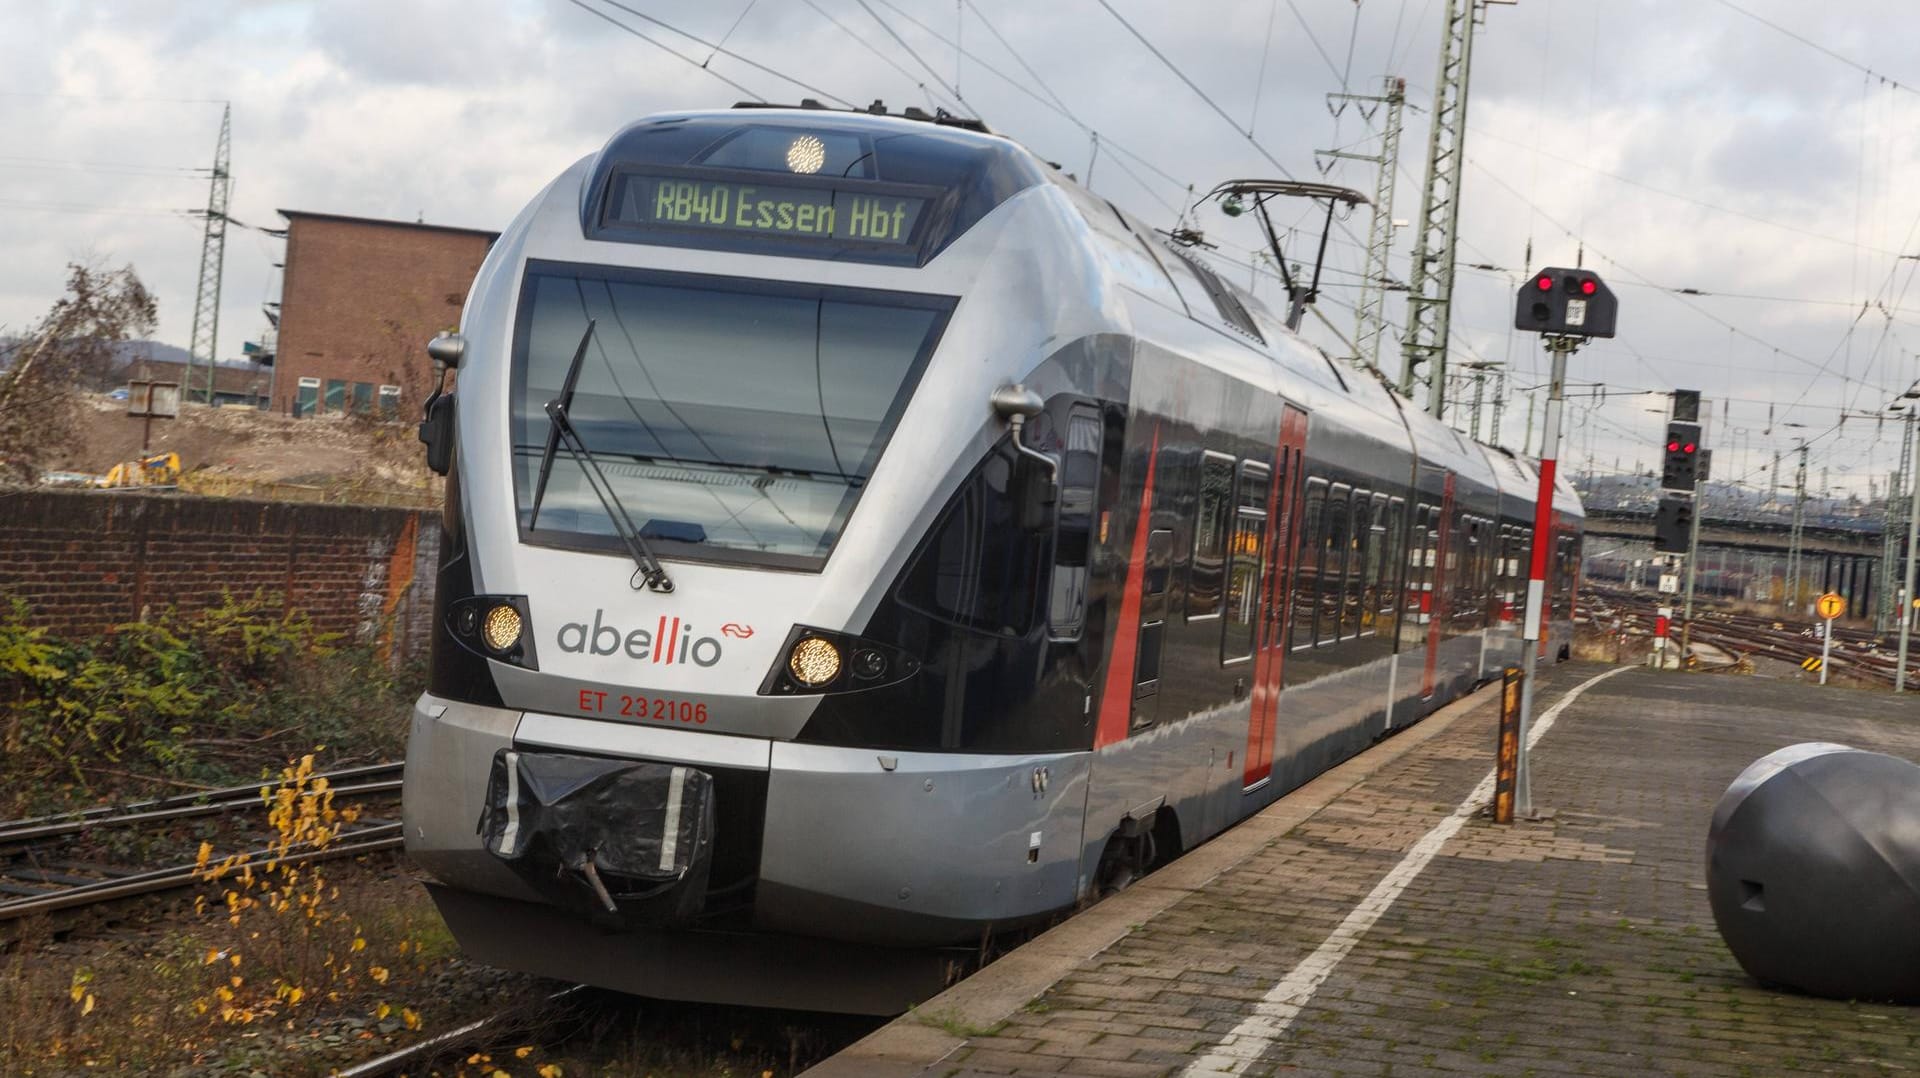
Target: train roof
[{"x": 964, "y": 173}]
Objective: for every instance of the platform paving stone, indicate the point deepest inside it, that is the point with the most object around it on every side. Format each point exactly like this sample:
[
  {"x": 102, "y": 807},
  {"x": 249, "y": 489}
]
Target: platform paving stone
[{"x": 1580, "y": 944}]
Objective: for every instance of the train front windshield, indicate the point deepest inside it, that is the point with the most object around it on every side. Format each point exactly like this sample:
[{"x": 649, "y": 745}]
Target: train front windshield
[{"x": 737, "y": 420}]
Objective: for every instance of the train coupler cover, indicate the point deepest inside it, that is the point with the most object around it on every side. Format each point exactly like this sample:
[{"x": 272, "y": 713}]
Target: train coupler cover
[{"x": 625, "y": 842}]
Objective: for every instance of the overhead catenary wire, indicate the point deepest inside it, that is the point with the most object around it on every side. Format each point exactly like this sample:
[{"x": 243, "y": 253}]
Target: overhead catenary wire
[
  {"x": 918, "y": 82},
  {"x": 722, "y": 50},
  {"x": 1057, "y": 108},
  {"x": 1817, "y": 47},
  {"x": 902, "y": 42},
  {"x": 663, "y": 46}
]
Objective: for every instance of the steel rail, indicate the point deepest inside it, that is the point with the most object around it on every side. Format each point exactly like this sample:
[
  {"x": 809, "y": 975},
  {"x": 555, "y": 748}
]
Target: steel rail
[
  {"x": 349, "y": 844},
  {"x": 183, "y": 806},
  {"x": 459, "y": 1036}
]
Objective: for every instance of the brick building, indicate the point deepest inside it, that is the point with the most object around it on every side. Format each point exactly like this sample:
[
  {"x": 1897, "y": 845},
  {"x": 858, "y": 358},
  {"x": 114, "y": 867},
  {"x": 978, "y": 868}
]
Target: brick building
[{"x": 359, "y": 301}]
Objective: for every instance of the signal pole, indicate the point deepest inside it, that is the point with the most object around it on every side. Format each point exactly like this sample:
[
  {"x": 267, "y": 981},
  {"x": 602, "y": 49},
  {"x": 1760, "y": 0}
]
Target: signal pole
[
  {"x": 1799, "y": 524},
  {"x": 1913, "y": 540},
  {"x": 213, "y": 254},
  {"x": 1889, "y": 538},
  {"x": 1565, "y": 307}
]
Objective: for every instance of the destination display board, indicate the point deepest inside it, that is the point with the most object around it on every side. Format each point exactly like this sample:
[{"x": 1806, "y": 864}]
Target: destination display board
[{"x": 827, "y": 213}]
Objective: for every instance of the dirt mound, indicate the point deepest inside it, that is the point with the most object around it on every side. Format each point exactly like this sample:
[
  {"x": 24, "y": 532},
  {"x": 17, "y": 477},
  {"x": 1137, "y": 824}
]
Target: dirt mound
[{"x": 244, "y": 446}]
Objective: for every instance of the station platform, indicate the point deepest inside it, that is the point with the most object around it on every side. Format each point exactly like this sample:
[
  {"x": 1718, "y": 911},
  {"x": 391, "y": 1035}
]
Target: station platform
[{"x": 1375, "y": 922}]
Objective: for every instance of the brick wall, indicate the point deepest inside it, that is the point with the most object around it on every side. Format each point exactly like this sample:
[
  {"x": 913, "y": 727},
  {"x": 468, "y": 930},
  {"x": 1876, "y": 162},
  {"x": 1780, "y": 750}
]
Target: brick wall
[
  {"x": 362, "y": 297},
  {"x": 87, "y": 561}
]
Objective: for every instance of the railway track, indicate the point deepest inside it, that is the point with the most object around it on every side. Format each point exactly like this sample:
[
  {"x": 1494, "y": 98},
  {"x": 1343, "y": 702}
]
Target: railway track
[
  {"x": 504, "y": 1023},
  {"x": 37, "y": 878},
  {"x": 1855, "y": 651}
]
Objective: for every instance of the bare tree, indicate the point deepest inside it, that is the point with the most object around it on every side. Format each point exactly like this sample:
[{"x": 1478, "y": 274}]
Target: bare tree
[{"x": 71, "y": 348}]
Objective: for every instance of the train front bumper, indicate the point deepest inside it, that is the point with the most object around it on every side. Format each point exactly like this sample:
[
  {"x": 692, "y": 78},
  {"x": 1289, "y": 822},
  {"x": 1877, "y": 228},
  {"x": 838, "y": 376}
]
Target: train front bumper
[{"x": 852, "y": 844}]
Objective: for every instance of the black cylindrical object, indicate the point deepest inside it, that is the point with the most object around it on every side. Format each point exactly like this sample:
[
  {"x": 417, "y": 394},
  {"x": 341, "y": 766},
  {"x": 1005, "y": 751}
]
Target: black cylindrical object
[{"x": 1813, "y": 870}]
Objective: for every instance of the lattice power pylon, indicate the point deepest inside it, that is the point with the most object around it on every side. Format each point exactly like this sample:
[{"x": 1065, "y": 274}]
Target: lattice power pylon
[
  {"x": 1369, "y": 314},
  {"x": 1430, "y": 284},
  {"x": 213, "y": 254}
]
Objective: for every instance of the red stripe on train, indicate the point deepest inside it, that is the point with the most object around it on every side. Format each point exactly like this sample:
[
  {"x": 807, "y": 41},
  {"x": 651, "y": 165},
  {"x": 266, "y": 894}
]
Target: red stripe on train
[{"x": 1116, "y": 699}]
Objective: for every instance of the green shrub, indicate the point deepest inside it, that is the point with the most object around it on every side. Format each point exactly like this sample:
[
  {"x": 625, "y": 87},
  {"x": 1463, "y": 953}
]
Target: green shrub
[{"x": 205, "y": 697}]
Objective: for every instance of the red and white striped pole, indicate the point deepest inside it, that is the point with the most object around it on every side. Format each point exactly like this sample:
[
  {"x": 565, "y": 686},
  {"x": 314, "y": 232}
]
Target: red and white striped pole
[{"x": 1536, "y": 616}]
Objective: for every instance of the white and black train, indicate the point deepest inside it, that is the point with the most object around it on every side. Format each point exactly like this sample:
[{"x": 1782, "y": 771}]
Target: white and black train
[{"x": 860, "y": 538}]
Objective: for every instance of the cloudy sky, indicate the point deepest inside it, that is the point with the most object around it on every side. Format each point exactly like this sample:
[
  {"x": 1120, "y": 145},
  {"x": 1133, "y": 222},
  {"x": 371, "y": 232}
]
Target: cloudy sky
[{"x": 1670, "y": 145}]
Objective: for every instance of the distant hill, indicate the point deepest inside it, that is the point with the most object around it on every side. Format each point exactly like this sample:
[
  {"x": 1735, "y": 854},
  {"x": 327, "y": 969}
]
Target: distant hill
[{"x": 128, "y": 352}]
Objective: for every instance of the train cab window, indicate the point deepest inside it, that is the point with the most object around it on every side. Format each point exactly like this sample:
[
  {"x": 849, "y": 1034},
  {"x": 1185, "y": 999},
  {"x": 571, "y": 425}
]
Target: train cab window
[
  {"x": 1073, "y": 525},
  {"x": 978, "y": 567},
  {"x": 1210, "y": 528},
  {"x": 1246, "y": 550},
  {"x": 1153, "y": 617},
  {"x": 1306, "y": 574}
]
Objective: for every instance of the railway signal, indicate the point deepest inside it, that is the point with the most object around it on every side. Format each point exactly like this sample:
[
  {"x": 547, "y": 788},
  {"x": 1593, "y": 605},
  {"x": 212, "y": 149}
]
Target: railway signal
[
  {"x": 1566, "y": 303},
  {"x": 1831, "y": 606},
  {"x": 1566, "y": 307},
  {"x": 1673, "y": 525},
  {"x": 1680, "y": 467}
]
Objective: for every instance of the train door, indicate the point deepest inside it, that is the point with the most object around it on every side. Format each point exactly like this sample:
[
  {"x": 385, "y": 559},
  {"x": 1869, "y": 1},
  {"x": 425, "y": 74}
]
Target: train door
[
  {"x": 1153, "y": 625},
  {"x": 1271, "y": 646},
  {"x": 1433, "y": 600}
]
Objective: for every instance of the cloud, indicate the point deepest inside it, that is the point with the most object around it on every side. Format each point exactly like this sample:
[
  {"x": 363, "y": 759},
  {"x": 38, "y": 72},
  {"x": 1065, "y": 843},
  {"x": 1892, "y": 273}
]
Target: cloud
[{"x": 1759, "y": 165}]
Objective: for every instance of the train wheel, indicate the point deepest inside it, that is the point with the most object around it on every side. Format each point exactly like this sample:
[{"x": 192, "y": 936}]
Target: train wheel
[{"x": 1134, "y": 850}]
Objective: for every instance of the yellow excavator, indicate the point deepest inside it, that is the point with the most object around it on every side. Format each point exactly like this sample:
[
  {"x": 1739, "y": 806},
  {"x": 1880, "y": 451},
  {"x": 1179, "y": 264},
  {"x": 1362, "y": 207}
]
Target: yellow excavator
[{"x": 157, "y": 470}]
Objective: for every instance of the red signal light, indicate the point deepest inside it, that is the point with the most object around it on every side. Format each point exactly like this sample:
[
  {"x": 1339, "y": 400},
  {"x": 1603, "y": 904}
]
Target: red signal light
[
  {"x": 1544, "y": 284},
  {"x": 1588, "y": 288},
  {"x": 1691, "y": 447},
  {"x": 1673, "y": 447}
]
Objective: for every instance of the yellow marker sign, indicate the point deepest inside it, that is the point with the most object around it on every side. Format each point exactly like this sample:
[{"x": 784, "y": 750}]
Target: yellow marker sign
[
  {"x": 1832, "y": 605},
  {"x": 1812, "y": 663}
]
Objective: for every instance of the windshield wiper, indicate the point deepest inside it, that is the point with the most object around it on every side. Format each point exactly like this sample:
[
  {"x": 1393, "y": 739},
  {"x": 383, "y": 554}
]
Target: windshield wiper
[{"x": 650, "y": 574}]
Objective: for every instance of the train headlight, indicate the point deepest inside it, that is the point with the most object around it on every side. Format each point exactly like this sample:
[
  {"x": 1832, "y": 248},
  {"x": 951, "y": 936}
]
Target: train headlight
[
  {"x": 496, "y": 627},
  {"x": 814, "y": 661},
  {"x": 502, "y": 628}
]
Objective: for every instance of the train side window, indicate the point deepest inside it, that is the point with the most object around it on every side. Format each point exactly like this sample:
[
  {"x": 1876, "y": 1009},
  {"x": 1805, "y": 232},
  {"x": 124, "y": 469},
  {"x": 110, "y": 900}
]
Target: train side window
[
  {"x": 1210, "y": 536},
  {"x": 1356, "y": 604},
  {"x": 1335, "y": 534},
  {"x": 1374, "y": 546},
  {"x": 1073, "y": 525},
  {"x": 1416, "y": 558},
  {"x": 1246, "y": 553},
  {"x": 1392, "y": 526},
  {"x": 1153, "y": 618},
  {"x": 1306, "y": 573}
]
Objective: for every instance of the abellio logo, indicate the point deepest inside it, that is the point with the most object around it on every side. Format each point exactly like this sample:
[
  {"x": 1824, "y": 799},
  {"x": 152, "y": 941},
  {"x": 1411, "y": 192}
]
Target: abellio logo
[{"x": 668, "y": 642}]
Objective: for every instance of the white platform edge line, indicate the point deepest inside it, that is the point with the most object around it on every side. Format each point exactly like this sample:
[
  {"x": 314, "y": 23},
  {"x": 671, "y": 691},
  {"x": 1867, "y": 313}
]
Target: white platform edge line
[{"x": 1277, "y": 1010}]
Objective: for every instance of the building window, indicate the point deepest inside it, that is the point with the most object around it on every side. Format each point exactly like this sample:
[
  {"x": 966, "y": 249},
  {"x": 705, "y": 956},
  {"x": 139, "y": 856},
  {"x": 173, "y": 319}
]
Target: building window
[
  {"x": 335, "y": 401},
  {"x": 362, "y": 398},
  {"x": 389, "y": 400},
  {"x": 307, "y": 397}
]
